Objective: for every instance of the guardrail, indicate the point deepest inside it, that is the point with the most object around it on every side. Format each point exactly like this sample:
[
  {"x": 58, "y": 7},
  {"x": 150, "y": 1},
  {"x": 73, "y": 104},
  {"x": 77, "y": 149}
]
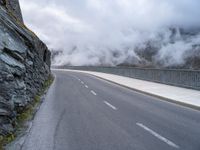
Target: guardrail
[{"x": 180, "y": 78}]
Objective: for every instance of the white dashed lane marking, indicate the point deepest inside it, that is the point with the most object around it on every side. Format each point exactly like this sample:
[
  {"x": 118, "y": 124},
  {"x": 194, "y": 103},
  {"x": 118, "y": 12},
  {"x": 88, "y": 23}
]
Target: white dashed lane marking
[
  {"x": 110, "y": 105},
  {"x": 170, "y": 143},
  {"x": 93, "y": 92}
]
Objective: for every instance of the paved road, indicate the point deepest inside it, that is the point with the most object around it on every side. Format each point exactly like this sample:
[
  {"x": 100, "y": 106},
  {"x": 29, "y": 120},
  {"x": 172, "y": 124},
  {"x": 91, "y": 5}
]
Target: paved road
[{"x": 82, "y": 112}]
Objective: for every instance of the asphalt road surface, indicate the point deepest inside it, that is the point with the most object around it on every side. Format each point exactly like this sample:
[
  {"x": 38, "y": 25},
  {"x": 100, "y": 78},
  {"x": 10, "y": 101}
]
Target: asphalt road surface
[{"x": 82, "y": 112}]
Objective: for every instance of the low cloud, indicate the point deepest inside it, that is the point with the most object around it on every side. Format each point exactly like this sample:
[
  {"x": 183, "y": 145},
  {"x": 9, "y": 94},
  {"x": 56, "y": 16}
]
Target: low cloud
[{"x": 112, "y": 32}]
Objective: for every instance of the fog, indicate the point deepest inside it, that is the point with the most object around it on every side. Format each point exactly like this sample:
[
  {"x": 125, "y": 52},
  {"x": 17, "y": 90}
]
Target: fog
[{"x": 113, "y": 32}]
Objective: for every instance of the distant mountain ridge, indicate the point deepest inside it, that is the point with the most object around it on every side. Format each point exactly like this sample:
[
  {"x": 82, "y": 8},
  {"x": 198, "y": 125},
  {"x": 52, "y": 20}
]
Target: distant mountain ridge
[{"x": 149, "y": 54}]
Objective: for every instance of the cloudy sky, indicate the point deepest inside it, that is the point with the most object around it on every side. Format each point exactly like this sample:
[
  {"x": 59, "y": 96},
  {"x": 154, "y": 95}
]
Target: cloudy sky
[{"x": 89, "y": 32}]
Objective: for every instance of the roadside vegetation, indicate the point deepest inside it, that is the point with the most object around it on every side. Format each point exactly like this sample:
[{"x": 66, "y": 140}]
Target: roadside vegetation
[{"x": 26, "y": 115}]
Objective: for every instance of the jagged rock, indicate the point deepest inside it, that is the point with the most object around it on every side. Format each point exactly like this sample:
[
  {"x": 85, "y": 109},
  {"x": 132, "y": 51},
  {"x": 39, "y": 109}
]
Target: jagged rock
[
  {"x": 13, "y": 7},
  {"x": 24, "y": 64}
]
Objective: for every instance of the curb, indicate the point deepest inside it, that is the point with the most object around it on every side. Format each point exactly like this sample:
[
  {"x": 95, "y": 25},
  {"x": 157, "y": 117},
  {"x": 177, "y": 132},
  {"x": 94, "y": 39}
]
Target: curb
[{"x": 161, "y": 98}]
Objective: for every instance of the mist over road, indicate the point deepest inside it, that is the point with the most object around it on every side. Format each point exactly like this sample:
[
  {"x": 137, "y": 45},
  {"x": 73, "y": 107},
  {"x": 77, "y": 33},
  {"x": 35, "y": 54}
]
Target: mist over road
[{"x": 82, "y": 112}]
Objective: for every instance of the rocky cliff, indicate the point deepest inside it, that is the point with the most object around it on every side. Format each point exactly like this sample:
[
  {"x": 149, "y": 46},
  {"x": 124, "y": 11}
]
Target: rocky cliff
[
  {"x": 24, "y": 64},
  {"x": 13, "y": 8}
]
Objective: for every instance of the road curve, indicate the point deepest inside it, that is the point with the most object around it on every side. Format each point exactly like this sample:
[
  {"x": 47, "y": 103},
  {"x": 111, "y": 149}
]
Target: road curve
[{"x": 82, "y": 112}]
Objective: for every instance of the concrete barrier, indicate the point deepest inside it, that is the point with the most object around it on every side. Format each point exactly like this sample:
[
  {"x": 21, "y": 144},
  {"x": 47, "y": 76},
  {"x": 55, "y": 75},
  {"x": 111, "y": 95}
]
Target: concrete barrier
[{"x": 176, "y": 77}]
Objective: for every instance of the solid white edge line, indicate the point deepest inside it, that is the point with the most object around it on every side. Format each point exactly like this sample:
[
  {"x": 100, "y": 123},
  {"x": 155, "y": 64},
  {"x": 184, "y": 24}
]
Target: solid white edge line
[
  {"x": 110, "y": 105},
  {"x": 93, "y": 92},
  {"x": 170, "y": 143}
]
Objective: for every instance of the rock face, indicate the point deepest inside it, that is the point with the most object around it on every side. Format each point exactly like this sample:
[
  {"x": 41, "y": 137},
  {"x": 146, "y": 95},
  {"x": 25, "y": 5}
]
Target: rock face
[
  {"x": 24, "y": 64},
  {"x": 13, "y": 7}
]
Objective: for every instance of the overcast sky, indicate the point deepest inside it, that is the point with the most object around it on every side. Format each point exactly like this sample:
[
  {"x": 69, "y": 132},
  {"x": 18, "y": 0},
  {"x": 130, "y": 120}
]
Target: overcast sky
[{"x": 99, "y": 27}]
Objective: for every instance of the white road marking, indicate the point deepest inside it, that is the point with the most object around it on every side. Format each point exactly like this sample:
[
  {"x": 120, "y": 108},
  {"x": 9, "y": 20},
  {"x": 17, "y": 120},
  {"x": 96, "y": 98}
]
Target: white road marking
[
  {"x": 158, "y": 136},
  {"x": 82, "y": 82},
  {"x": 86, "y": 86},
  {"x": 79, "y": 79},
  {"x": 110, "y": 105},
  {"x": 93, "y": 92}
]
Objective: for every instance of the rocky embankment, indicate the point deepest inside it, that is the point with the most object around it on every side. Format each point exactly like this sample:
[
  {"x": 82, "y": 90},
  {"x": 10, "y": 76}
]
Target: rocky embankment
[{"x": 24, "y": 64}]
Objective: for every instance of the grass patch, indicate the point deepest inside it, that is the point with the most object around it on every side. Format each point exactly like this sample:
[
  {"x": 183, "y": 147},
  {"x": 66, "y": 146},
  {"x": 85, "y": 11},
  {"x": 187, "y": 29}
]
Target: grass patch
[{"x": 25, "y": 115}]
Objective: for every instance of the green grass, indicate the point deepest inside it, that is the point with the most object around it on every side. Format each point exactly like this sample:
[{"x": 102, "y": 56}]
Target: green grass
[{"x": 25, "y": 115}]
